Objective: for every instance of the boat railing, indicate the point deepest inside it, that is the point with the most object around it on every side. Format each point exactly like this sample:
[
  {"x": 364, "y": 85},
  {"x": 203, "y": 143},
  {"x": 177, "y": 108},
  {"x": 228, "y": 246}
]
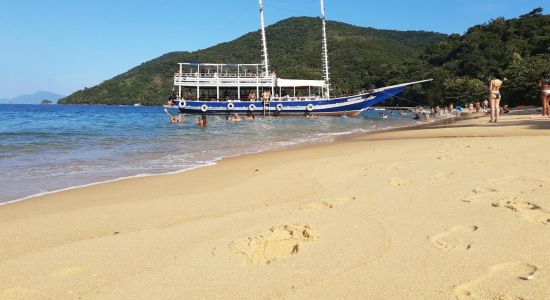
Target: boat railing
[
  {"x": 212, "y": 79},
  {"x": 296, "y": 98},
  {"x": 246, "y": 99},
  {"x": 220, "y": 75}
]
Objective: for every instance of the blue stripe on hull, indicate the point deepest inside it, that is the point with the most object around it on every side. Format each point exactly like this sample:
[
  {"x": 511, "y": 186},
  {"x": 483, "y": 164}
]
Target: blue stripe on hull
[{"x": 337, "y": 106}]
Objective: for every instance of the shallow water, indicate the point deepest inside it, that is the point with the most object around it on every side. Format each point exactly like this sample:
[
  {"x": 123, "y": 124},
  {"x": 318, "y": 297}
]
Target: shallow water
[{"x": 50, "y": 147}]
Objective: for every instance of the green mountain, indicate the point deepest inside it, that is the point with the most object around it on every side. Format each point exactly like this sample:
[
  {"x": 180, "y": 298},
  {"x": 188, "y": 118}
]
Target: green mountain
[
  {"x": 462, "y": 66},
  {"x": 295, "y": 52}
]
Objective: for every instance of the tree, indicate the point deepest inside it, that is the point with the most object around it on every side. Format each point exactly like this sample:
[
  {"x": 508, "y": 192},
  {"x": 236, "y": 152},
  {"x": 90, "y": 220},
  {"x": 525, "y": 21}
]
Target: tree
[
  {"x": 534, "y": 13},
  {"x": 521, "y": 86},
  {"x": 463, "y": 90}
]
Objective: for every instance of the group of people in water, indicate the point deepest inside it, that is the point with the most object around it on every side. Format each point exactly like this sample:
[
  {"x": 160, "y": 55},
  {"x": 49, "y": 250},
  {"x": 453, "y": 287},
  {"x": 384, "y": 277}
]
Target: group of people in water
[
  {"x": 202, "y": 121},
  {"x": 236, "y": 118},
  {"x": 179, "y": 118}
]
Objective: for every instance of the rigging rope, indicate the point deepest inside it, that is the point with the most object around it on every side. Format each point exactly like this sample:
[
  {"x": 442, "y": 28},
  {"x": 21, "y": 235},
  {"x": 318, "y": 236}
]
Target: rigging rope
[{"x": 401, "y": 98}]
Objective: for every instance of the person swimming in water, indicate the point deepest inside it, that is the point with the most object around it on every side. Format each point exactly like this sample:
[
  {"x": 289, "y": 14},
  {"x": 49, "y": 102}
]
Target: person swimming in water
[
  {"x": 235, "y": 118},
  {"x": 201, "y": 121},
  {"x": 544, "y": 86},
  {"x": 494, "y": 97},
  {"x": 174, "y": 119}
]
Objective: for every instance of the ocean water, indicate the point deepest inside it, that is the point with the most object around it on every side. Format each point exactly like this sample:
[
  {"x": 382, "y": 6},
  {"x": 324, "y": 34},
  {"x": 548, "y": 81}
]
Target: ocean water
[{"x": 45, "y": 148}]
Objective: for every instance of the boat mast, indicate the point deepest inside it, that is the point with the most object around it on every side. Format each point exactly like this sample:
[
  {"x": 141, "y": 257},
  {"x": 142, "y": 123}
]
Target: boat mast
[
  {"x": 326, "y": 73},
  {"x": 265, "y": 60}
]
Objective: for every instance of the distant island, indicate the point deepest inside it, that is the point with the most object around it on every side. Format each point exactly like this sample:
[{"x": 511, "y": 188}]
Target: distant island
[
  {"x": 45, "y": 101},
  {"x": 36, "y": 98},
  {"x": 364, "y": 58}
]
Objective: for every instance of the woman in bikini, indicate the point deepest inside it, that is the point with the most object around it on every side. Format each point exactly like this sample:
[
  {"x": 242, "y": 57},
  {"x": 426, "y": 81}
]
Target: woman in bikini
[
  {"x": 494, "y": 97},
  {"x": 544, "y": 85}
]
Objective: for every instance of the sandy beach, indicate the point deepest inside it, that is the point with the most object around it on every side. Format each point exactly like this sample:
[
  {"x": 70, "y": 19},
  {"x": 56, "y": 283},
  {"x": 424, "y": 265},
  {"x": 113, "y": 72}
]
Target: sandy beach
[{"x": 455, "y": 211}]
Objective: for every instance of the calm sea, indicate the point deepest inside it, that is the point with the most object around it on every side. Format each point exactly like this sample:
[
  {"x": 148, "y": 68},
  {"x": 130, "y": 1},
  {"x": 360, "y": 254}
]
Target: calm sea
[{"x": 44, "y": 148}]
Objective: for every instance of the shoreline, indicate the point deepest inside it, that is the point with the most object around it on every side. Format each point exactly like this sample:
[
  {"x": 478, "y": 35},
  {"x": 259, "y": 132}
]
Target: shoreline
[
  {"x": 448, "y": 211},
  {"x": 336, "y": 138}
]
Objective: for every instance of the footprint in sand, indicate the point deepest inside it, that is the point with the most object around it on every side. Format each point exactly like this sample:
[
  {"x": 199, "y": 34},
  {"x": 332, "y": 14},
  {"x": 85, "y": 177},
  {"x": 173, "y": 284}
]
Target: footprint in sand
[
  {"x": 445, "y": 157},
  {"x": 68, "y": 271},
  {"x": 18, "y": 292},
  {"x": 394, "y": 167},
  {"x": 528, "y": 210},
  {"x": 521, "y": 184},
  {"x": 455, "y": 145},
  {"x": 441, "y": 176},
  {"x": 338, "y": 243},
  {"x": 330, "y": 203},
  {"x": 400, "y": 182},
  {"x": 504, "y": 281},
  {"x": 498, "y": 189},
  {"x": 455, "y": 238},
  {"x": 478, "y": 194},
  {"x": 279, "y": 243}
]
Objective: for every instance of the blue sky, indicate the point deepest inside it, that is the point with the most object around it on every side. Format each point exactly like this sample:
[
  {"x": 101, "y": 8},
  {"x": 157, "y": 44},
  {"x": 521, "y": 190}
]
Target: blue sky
[{"x": 65, "y": 45}]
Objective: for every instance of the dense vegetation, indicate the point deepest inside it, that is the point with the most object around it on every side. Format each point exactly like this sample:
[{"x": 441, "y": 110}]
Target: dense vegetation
[
  {"x": 295, "y": 52},
  {"x": 518, "y": 49},
  {"x": 461, "y": 65}
]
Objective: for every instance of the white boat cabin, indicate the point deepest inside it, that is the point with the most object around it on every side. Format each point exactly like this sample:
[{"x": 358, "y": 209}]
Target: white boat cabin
[{"x": 241, "y": 82}]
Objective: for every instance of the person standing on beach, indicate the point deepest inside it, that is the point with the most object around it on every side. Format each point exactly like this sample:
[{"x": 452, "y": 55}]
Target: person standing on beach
[
  {"x": 494, "y": 97},
  {"x": 544, "y": 85}
]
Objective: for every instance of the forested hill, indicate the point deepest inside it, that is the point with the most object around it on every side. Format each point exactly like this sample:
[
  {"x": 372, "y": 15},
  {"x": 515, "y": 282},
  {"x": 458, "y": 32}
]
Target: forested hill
[
  {"x": 461, "y": 65},
  {"x": 295, "y": 52},
  {"x": 518, "y": 49}
]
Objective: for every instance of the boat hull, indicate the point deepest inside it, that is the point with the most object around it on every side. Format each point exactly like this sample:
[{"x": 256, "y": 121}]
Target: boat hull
[{"x": 348, "y": 106}]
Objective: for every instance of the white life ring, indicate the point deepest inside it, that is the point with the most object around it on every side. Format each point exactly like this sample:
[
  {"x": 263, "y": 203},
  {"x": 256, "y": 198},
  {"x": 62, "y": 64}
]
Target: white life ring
[
  {"x": 279, "y": 107},
  {"x": 182, "y": 104},
  {"x": 230, "y": 106},
  {"x": 252, "y": 107},
  {"x": 309, "y": 107},
  {"x": 204, "y": 108}
]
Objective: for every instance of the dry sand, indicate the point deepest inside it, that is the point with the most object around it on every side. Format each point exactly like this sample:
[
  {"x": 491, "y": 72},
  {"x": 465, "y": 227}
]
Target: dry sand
[{"x": 453, "y": 211}]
